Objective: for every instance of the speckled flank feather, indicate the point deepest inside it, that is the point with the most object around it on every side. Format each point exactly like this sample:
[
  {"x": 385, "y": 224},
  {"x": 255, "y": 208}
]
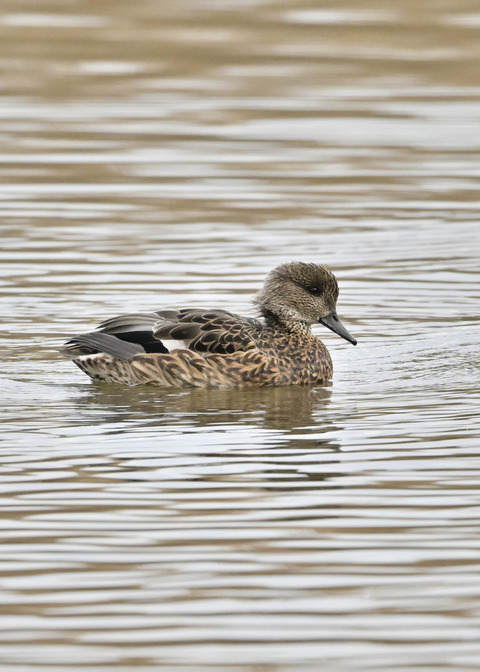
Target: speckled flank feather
[{"x": 218, "y": 348}]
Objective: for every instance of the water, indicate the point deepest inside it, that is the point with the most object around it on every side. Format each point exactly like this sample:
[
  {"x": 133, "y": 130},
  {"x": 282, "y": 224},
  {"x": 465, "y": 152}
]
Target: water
[{"x": 170, "y": 154}]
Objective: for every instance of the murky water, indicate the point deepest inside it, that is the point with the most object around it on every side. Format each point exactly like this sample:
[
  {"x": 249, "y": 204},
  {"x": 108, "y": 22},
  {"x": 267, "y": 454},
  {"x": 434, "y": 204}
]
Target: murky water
[{"x": 171, "y": 153}]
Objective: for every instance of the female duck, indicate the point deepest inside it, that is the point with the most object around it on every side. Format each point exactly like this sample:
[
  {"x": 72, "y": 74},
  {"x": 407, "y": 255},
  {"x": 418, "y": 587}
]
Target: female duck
[{"x": 215, "y": 348}]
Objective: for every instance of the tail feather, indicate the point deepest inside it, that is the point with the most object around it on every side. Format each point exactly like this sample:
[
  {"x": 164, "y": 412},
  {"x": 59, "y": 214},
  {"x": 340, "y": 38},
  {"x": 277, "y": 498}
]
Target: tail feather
[{"x": 96, "y": 342}]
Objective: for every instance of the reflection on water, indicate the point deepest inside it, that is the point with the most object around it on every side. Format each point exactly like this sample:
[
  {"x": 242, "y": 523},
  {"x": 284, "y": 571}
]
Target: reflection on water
[
  {"x": 281, "y": 408},
  {"x": 171, "y": 154}
]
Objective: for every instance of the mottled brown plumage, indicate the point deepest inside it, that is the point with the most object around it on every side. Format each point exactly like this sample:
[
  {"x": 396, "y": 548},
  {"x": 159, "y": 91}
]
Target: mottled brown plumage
[{"x": 215, "y": 348}]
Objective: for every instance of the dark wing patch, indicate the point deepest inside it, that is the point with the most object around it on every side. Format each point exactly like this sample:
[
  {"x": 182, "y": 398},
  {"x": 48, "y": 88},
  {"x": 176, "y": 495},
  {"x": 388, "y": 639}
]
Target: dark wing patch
[
  {"x": 209, "y": 331},
  {"x": 134, "y": 328}
]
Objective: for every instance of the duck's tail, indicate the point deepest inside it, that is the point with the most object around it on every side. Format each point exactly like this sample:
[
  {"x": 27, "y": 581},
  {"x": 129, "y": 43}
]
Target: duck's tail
[{"x": 97, "y": 342}]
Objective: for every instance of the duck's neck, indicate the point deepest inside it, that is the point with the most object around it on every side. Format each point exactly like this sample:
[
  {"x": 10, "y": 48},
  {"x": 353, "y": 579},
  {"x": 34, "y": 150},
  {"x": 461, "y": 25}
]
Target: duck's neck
[{"x": 285, "y": 321}]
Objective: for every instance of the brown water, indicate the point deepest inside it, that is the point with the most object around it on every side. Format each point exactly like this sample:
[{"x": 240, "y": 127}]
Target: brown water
[{"x": 162, "y": 154}]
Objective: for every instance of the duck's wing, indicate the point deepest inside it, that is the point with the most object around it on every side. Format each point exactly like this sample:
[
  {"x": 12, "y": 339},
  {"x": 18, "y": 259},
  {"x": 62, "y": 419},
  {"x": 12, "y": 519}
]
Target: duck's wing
[
  {"x": 215, "y": 331},
  {"x": 136, "y": 328},
  {"x": 133, "y": 322}
]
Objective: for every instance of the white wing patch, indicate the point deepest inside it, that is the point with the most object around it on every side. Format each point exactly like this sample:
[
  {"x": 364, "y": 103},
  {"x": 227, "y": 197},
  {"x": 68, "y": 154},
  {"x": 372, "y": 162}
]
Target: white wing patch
[
  {"x": 98, "y": 355},
  {"x": 174, "y": 345}
]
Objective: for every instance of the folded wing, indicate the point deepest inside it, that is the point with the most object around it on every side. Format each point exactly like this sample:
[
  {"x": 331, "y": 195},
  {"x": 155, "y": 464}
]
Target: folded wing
[{"x": 202, "y": 331}]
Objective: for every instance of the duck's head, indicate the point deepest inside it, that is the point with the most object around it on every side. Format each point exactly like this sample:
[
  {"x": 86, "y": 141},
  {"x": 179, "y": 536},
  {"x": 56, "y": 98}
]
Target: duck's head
[{"x": 301, "y": 293}]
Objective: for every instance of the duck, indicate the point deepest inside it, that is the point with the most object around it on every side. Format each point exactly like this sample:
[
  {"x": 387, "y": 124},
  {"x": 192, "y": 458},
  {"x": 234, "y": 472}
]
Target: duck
[{"x": 201, "y": 348}]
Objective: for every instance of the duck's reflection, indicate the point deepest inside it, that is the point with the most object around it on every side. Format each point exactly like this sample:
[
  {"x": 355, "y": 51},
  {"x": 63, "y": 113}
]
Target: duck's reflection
[
  {"x": 283, "y": 426},
  {"x": 281, "y": 408}
]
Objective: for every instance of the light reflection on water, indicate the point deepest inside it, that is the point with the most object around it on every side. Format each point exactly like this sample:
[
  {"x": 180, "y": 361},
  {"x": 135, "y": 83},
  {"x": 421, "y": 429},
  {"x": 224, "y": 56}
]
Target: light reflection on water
[{"x": 286, "y": 528}]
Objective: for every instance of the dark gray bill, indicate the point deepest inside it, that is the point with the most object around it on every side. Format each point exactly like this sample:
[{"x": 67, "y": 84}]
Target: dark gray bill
[{"x": 332, "y": 321}]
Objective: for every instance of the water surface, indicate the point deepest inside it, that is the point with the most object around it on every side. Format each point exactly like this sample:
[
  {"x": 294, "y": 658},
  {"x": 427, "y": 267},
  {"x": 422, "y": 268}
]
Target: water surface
[{"x": 170, "y": 154}]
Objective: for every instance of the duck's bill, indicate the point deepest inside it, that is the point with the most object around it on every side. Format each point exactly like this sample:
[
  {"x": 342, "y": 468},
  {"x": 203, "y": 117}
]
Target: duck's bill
[{"x": 332, "y": 321}]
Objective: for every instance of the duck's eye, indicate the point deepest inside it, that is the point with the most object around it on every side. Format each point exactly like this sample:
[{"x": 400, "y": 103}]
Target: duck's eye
[{"x": 313, "y": 290}]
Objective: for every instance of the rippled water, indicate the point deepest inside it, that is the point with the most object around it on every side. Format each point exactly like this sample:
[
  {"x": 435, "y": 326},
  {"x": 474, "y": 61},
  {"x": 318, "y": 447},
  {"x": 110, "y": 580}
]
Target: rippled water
[{"x": 170, "y": 154}]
